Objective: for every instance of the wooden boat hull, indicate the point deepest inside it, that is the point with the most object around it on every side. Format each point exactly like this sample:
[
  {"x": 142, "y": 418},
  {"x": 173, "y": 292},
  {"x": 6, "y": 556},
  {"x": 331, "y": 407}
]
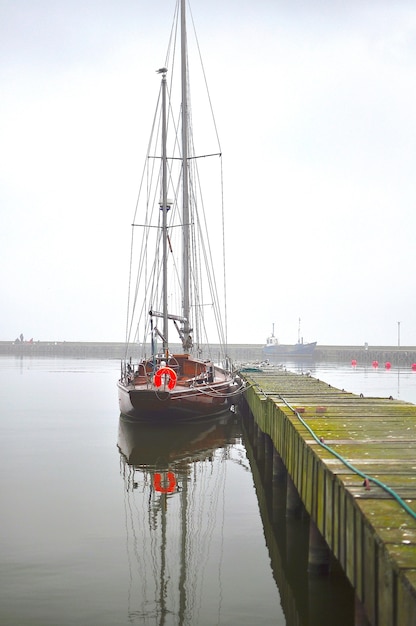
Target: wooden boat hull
[
  {"x": 186, "y": 388},
  {"x": 138, "y": 402}
]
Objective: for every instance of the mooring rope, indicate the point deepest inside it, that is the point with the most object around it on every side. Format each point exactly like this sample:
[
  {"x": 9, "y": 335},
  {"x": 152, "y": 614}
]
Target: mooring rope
[{"x": 343, "y": 460}]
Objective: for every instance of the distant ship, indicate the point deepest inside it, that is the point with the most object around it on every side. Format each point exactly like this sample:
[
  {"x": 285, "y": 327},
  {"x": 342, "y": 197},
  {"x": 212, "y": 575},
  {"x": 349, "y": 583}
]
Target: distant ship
[{"x": 298, "y": 350}]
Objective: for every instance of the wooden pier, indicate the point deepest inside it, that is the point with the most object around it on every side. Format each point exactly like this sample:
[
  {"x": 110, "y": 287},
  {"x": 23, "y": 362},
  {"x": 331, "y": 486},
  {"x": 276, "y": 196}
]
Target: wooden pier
[{"x": 351, "y": 461}]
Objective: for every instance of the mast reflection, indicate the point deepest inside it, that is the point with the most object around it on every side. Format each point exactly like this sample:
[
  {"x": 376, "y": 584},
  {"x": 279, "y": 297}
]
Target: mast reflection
[{"x": 174, "y": 478}]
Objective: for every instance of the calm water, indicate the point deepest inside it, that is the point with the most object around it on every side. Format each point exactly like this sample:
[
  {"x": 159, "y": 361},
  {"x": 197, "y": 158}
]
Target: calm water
[
  {"x": 398, "y": 382},
  {"x": 163, "y": 528}
]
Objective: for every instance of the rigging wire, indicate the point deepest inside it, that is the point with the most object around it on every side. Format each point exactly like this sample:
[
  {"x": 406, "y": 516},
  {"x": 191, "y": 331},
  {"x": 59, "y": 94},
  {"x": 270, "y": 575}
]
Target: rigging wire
[
  {"x": 204, "y": 76},
  {"x": 140, "y": 300},
  {"x": 225, "y": 339},
  {"x": 131, "y": 302}
]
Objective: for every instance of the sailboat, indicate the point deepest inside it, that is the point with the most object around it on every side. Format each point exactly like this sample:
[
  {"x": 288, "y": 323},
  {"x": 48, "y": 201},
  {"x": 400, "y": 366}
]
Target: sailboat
[{"x": 176, "y": 289}]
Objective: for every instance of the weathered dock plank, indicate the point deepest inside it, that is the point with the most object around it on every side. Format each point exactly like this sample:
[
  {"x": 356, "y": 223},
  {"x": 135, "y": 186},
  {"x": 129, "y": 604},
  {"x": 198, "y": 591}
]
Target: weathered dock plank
[{"x": 352, "y": 461}]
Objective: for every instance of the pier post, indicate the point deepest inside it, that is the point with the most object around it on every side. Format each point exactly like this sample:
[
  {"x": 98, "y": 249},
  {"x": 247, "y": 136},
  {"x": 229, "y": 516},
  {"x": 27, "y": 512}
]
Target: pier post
[
  {"x": 360, "y": 618},
  {"x": 268, "y": 459},
  {"x": 293, "y": 510},
  {"x": 279, "y": 469},
  {"x": 259, "y": 444},
  {"x": 251, "y": 424},
  {"x": 319, "y": 557},
  {"x": 279, "y": 473},
  {"x": 293, "y": 501}
]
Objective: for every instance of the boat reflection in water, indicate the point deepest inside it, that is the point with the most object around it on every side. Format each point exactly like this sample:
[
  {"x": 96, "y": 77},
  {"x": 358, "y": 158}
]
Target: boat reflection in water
[
  {"x": 174, "y": 488},
  {"x": 209, "y": 537}
]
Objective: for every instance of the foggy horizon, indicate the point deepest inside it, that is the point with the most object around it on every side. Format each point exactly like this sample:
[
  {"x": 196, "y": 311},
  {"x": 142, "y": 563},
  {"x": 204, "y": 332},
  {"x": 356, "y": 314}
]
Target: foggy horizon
[{"x": 316, "y": 111}]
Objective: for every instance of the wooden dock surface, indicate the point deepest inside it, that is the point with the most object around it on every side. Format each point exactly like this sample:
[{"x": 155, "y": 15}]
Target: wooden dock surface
[{"x": 352, "y": 460}]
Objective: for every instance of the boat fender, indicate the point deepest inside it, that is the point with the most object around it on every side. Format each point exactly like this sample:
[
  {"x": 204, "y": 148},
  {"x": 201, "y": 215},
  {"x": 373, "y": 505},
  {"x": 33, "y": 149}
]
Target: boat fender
[
  {"x": 157, "y": 482},
  {"x": 168, "y": 371}
]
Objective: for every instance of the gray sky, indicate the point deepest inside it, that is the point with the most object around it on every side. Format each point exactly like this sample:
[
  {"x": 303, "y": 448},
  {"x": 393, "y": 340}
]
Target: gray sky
[{"x": 315, "y": 105}]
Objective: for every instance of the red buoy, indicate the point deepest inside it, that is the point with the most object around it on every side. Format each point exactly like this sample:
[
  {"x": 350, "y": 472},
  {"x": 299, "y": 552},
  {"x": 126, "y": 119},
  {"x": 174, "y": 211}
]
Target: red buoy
[
  {"x": 375, "y": 363},
  {"x": 387, "y": 365},
  {"x": 414, "y": 367},
  {"x": 354, "y": 362}
]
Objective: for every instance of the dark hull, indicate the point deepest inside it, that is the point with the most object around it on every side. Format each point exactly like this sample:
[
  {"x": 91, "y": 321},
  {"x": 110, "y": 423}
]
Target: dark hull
[
  {"x": 298, "y": 350},
  {"x": 144, "y": 404}
]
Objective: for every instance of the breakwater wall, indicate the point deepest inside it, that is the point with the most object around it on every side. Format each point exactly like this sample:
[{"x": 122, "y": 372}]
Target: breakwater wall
[
  {"x": 111, "y": 350},
  {"x": 364, "y": 355}
]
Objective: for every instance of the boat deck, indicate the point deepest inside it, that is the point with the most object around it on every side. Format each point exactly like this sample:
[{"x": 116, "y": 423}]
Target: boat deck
[{"x": 188, "y": 372}]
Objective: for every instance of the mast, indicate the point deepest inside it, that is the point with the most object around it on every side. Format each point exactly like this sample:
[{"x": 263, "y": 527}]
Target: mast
[
  {"x": 186, "y": 338},
  {"x": 164, "y": 208}
]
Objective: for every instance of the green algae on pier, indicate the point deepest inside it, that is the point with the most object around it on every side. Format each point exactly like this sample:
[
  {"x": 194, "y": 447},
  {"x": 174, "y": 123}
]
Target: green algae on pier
[{"x": 328, "y": 439}]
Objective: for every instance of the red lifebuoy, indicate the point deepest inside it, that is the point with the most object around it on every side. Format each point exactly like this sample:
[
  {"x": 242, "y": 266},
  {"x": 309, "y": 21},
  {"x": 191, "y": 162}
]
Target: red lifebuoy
[
  {"x": 168, "y": 371},
  {"x": 157, "y": 482}
]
